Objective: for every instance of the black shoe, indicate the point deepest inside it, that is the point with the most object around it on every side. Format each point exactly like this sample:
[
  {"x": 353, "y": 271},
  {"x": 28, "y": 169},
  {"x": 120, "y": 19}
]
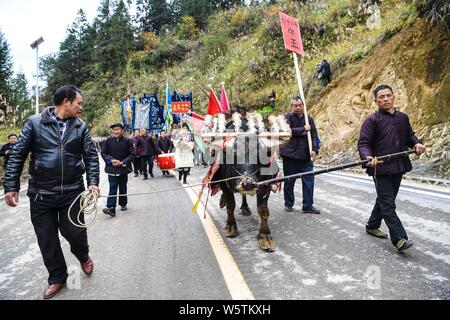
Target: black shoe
[
  {"x": 145, "y": 178},
  {"x": 184, "y": 182},
  {"x": 289, "y": 209},
  {"x": 110, "y": 211},
  {"x": 136, "y": 175},
  {"x": 123, "y": 208},
  {"x": 403, "y": 244},
  {"x": 312, "y": 210},
  {"x": 151, "y": 175}
]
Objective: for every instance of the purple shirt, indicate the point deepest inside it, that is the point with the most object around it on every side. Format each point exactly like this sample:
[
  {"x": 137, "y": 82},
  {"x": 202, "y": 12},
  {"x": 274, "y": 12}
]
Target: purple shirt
[
  {"x": 297, "y": 147},
  {"x": 384, "y": 133}
]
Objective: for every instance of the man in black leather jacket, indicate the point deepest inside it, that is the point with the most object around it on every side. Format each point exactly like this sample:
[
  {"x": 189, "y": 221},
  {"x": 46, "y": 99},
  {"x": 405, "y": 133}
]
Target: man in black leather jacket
[{"x": 61, "y": 152}]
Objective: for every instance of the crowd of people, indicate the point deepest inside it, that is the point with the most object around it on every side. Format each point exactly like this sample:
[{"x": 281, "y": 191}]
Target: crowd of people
[
  {"x": 137, "y": 154},
  {"x": 62, "y": 151}
]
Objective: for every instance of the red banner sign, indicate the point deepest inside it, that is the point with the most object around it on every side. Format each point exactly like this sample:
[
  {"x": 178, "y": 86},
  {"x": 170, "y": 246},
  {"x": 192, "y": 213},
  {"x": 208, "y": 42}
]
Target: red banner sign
[
  {"x": 291, "y": 34},
  {"x": 181, "y": 107}
]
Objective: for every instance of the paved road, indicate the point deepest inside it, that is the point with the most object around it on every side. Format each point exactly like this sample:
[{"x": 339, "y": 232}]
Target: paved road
[{"x": 159, "y": 249}]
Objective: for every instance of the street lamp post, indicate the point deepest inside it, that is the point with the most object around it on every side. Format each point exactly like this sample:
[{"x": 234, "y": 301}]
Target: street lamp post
[{"x": 35, "y": 45}]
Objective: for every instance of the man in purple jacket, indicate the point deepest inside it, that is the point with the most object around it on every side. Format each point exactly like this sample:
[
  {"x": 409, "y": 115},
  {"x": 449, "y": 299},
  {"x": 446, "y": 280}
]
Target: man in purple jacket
[
  {"x": 147, "y": 149},
  {"x": 296, "y": 157},
  {"x": 384, "y": 132}
]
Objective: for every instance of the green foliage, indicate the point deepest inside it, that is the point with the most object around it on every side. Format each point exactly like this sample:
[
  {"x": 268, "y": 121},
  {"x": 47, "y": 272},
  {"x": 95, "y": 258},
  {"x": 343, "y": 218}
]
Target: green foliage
[
  {"x": 437, "y": 12},
  {"x": 153, "y": 15},
  {"x": 244, "y": 21},
  {"x": 5, "y": 65},
  {"x": 187, "y": 29},
  {"x": 170, "y": 51}
]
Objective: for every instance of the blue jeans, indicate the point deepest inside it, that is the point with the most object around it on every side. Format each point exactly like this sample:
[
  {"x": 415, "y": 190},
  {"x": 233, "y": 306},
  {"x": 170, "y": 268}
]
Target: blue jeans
[
  {"x": 117, "y": 182},
  {"x": 294, "y": 166}
]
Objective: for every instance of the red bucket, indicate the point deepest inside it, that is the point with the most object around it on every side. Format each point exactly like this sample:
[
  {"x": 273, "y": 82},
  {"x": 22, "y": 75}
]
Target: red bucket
[{"x": 166, "y": 161}]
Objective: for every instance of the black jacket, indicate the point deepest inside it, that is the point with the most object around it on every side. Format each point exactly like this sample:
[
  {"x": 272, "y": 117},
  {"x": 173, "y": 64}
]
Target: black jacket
[
  {"x": 3, "y": 150},
  {"x": 57, "y": 164},
  {"x": 325, "y": 69},
  {"x": 119, "y": 149},
  {"x": 165, "y": 145}
]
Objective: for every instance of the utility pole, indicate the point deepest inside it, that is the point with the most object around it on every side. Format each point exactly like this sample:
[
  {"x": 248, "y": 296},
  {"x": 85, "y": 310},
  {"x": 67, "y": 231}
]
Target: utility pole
[{"x": 35, "y": 45}]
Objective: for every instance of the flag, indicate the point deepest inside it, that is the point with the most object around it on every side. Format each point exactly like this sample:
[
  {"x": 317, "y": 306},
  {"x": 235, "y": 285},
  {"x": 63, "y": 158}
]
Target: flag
[
  {"x": 224, "y": 100},
  {"x": 129, "y": 111},
  {"x": 168, "y": 95},
  {"x": 213, "y": 104},
  {"x": 169, "y": 116},
  {"x": 291, "y": 34}
]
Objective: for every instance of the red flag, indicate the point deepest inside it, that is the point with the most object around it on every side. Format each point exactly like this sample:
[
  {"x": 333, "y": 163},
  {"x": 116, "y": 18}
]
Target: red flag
[
  {"x": 291, "y": 34},
  {"x": 213, "y": 104},
  {"x": 224, "y": 100}
]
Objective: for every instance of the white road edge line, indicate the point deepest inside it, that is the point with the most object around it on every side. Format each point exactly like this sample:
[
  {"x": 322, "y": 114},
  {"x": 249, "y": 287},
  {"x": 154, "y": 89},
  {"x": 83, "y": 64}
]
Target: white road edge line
[
  {"x": 237, "y": 286},
  {"x": 426, "y": 193}
]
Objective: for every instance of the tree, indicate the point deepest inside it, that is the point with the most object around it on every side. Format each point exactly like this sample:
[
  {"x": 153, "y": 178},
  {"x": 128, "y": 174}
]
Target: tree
[
  {"x": 5, "y": 66},
  {"x": 20, "y": 99},
  {"x": 153, "y": 15},
  {"x": 73, "y": 62},
  {"x": 114, "y": 38}
]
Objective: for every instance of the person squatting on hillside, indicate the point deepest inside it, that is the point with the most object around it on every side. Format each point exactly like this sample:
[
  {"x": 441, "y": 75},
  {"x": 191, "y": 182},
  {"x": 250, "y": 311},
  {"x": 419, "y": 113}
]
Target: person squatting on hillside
[
  {"x": 324, "y": 73},
  {"x": 384, "y": 132},
  {"x": 61, "y": 152},
  {"x": 118, "y": 154}
]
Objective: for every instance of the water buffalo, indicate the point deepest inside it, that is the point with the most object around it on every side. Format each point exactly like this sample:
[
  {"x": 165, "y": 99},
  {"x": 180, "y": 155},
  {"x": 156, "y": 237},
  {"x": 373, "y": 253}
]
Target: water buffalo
[{"x": 246, "y": 157}]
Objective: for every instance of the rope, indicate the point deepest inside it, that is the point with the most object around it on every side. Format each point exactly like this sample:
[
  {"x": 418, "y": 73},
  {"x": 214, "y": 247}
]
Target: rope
[
  {"x": 89, "y": 200},
  {"x": 88, "y": 205}
]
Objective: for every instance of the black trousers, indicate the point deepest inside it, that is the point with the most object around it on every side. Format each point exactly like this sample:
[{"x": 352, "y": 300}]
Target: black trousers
[
  {"x": 48, "y": 215},
  {"x": 137, "y": 165},
  {"x": 144, "y": 161},
  {"x": 387, "y": 188}
]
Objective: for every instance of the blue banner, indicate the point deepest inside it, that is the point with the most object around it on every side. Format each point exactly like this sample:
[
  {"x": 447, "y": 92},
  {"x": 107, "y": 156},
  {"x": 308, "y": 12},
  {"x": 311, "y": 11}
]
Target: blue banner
[
  {"x": 128, "y": 113},
  {"x": 181, "y": 97}
]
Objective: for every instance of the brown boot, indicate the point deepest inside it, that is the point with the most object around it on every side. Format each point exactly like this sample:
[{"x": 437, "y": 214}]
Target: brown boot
[{"x": 52, "y": 290}]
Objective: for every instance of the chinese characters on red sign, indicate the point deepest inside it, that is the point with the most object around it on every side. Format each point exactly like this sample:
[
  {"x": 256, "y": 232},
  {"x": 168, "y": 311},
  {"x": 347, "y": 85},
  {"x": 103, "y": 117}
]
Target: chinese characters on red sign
[
  {"x": 181, "y": 107},
  {"x": 291, "y": 34}
]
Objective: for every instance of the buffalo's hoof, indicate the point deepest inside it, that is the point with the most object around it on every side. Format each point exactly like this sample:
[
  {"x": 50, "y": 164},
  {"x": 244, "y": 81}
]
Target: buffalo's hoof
[
  {"x": 231, "y": 231},
  {"x": 266, "y": 243},
  {"x": 246, "y": 211},
  {"x": 222, "y": 203}
]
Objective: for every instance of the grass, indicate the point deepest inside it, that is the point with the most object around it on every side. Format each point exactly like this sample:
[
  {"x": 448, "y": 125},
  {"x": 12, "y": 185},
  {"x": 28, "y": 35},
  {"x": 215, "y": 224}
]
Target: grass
[{"x": 253, "y": 63}]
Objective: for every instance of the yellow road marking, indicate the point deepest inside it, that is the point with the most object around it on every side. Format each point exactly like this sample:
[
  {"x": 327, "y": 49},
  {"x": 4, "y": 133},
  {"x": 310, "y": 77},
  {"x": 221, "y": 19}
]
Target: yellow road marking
[{"x": 237, "y": 286}]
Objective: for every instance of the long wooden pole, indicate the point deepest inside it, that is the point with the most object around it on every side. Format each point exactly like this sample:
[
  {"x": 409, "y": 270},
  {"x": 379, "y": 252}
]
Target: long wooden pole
[
  {"x": 334, "y": 168},
  {"x": 302, "y": 95}
]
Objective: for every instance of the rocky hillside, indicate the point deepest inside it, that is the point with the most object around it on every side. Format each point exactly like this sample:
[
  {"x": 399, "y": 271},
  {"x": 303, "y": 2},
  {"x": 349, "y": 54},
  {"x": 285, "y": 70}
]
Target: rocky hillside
[{"x": 415, "y": 62}]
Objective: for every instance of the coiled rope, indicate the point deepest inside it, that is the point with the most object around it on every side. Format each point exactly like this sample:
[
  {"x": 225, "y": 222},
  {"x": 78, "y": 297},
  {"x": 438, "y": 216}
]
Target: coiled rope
[{"x": 89, "y": 201}]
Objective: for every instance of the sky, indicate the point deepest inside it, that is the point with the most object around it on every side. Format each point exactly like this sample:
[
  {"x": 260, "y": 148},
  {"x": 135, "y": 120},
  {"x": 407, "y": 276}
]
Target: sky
[{"x": 24, "y": 21}]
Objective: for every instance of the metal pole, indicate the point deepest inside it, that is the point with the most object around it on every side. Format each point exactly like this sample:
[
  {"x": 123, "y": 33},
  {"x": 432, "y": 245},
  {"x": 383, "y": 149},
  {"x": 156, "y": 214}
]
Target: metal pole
[
  {"x": 37, "y": 80},
  {"x": 335, "y": 168}
]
